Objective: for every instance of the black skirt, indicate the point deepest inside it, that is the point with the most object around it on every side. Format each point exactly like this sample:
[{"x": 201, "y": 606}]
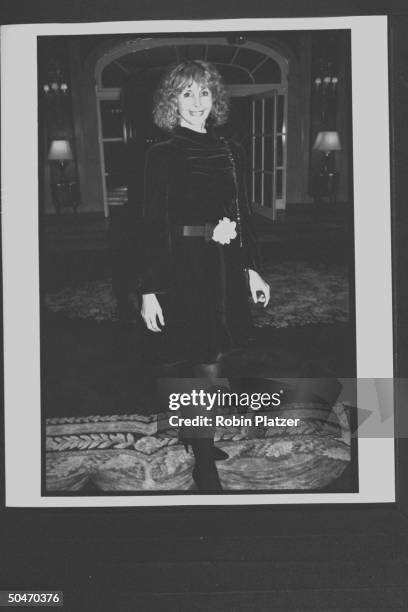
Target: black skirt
[{"x": 206, "y": 310}]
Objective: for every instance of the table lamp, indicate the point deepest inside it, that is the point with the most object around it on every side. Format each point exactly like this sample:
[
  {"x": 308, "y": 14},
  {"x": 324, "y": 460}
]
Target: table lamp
[
  {"x": 60, "y": 152},
  {"x": 327, "y": 143}
]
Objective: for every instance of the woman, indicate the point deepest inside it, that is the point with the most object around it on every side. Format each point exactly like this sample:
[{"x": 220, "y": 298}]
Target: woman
[{"x": 200, "y": 251}]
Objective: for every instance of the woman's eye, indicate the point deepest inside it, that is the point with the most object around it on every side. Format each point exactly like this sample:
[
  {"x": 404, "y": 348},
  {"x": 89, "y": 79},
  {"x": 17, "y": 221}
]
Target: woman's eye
[
  {"x": 205, "y": 92},
  {"x": 186, "y": 94}
]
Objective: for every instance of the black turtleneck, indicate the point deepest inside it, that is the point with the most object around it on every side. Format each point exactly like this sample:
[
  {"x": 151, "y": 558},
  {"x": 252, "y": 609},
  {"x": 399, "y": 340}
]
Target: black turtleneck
[{"x": 211, "y": 181}]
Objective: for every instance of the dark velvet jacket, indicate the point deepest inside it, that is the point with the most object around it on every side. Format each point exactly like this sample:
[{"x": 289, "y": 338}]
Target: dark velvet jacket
[{"x": 188, "y": 181}]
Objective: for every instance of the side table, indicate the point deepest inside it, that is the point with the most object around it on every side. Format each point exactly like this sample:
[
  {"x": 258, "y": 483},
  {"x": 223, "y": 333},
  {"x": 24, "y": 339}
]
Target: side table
[{"x": 66, "y": 193}]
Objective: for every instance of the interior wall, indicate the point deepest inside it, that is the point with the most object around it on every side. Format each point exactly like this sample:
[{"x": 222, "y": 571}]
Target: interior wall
[
  {"x": 330, "y": 106},
  {"x": 298, "y": 124},
  {"x": 86, "y": 130},
  {"x": 56, "y": 118}
]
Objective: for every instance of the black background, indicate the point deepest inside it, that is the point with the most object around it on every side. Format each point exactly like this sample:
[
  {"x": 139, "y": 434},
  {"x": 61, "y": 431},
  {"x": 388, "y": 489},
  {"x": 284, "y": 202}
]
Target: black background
[
  {"x": 49, "y": 11},
  {"x": 217, "y": 550}
]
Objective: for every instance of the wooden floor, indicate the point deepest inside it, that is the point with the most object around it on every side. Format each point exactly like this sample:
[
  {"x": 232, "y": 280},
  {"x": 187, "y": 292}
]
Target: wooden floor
[{"x": 256, "y": 559}]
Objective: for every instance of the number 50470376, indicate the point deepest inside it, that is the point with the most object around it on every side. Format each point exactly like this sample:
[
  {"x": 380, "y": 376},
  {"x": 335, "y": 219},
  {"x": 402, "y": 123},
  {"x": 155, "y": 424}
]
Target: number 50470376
[{"x": 31, "y": 598}]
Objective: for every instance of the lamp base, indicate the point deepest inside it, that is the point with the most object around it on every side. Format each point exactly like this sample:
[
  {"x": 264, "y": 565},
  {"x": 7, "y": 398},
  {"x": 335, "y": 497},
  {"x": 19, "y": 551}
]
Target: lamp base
[
  {"x": 61, "y": 167},
  {"x": 328, "y": 163}
]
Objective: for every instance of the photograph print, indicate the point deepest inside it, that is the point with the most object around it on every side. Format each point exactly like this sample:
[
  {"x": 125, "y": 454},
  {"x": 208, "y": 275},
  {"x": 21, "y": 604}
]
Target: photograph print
[{"x": 197, "y": 263}]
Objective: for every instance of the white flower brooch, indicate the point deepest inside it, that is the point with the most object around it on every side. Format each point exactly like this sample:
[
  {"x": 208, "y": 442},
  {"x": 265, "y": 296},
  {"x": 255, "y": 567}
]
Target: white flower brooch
[{"x": 225, "y": 231}]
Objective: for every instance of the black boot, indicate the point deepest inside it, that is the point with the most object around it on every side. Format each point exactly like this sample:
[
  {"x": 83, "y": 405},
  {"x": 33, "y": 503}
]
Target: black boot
[{"x": 205, "y": 474}]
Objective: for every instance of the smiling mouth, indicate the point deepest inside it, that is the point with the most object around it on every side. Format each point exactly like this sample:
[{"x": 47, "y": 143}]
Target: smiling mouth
[{"x": 196, "y": 113}]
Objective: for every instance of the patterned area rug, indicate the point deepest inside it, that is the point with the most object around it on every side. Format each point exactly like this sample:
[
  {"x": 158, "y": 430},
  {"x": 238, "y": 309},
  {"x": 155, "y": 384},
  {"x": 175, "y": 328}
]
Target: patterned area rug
[
  {"x": 302, "y": 293},
  {"x": 135, "y": 453}
]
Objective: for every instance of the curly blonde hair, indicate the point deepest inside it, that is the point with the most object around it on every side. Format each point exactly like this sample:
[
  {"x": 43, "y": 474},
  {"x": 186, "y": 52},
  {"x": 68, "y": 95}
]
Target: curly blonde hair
[{"x": 165, "y": 108}]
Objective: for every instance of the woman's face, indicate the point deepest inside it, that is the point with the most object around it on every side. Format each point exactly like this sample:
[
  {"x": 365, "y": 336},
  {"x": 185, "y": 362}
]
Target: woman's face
[{"x": 194, "y": 105}]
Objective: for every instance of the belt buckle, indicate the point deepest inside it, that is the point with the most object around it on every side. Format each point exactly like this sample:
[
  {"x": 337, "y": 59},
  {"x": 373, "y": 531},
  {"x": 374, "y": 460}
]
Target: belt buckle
[{"x": 208, "y": 231}]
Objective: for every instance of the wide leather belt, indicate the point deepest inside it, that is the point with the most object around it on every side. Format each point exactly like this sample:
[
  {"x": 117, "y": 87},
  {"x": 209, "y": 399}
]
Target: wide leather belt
[{"x": 197, "y": 231}]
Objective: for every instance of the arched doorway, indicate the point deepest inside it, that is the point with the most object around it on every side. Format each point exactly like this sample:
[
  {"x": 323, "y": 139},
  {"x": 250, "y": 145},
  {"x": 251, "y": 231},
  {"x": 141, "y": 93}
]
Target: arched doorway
[{"x": 256, "y": 80}]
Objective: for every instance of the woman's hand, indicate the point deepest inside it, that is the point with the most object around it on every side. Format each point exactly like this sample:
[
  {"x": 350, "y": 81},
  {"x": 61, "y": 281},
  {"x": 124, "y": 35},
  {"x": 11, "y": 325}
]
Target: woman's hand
[
  {"x": 151, "y": 312},
  {"x": 258, "y": 285}
]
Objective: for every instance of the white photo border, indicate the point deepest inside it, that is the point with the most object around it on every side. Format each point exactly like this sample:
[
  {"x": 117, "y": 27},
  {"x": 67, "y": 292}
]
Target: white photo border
[{"x": 372, "y": 223}]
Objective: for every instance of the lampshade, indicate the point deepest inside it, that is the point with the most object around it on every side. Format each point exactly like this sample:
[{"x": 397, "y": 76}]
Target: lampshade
[
  {"x": 60, "y": 150},
  {"x": 327, "y": 141}
]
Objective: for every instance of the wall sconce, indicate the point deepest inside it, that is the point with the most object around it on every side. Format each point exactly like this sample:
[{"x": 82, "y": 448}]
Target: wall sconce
[
  {"x": 56, "y": 81},
  {"x": 325, "y": 82},
  {"x": 55, "y": 88},
  {"x": 327, "y": 143},
  {"x": 60, "y": 152}
]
